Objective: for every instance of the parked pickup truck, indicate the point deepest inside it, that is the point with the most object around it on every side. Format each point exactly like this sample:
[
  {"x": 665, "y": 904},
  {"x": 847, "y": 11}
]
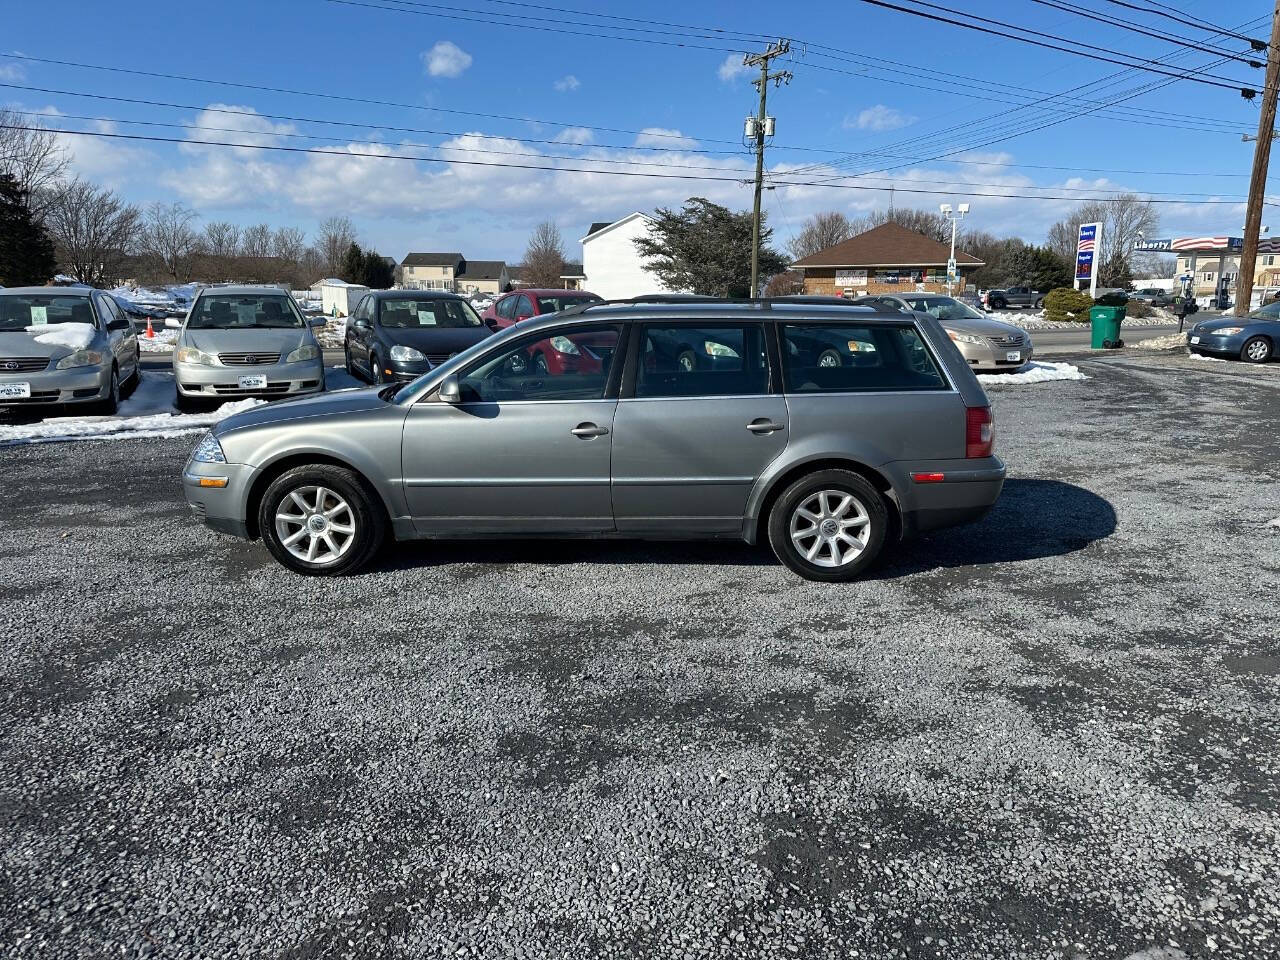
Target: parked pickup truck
[{"x": 1014, "y": 297}]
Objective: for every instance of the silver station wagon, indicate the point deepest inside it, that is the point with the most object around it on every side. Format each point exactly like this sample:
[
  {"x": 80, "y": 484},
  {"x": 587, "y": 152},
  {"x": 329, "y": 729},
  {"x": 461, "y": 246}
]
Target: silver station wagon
[{"x": 828, "y": 429}]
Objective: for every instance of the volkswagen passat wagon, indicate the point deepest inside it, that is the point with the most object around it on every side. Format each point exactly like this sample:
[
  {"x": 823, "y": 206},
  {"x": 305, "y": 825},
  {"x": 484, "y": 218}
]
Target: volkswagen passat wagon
[
  {"x": 246, "y": 342},
  {"x": 677, "y": 420},
  {"x": 65, "y": 345}
]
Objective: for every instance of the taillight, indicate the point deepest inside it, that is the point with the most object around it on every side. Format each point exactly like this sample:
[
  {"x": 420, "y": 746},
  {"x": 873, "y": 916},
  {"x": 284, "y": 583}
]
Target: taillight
[{"x": 979, "y": 432}]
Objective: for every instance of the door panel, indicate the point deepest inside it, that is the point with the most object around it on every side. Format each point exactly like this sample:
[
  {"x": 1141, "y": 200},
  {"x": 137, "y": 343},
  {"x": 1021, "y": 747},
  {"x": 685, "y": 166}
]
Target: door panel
[
  {"x": 688, "y": 464},
  {"x": 517, "y": 467}
]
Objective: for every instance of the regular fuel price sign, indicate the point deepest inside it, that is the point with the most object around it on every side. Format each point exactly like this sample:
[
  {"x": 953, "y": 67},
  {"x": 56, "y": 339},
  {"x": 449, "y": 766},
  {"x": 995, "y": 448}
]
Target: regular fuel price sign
[{"x": 1086, "y": 247}]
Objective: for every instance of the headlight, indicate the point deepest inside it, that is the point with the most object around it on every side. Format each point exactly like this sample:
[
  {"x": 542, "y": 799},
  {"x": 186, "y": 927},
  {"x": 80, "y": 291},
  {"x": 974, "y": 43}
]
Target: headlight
[
  {"x": 861, "y": 346},
  {"x": 308, "y": 351},
  {"x": 963, "y": 337},
  {"x": 192, "y": 355},
  {"x": 1224, "y": 331},
  {"x": 208, "y": 450},
  {"x": 564, "y": 345},
  {"x": 406, "y": 354},
  {"x": 714, "y": 349},
  {"x": 81, "y": 358}
]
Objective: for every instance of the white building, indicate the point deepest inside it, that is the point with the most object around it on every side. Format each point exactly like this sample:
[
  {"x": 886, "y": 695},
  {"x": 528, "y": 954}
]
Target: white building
[
  {"x": 612, "y": 264},
  {"x": 339, "y": 298}
]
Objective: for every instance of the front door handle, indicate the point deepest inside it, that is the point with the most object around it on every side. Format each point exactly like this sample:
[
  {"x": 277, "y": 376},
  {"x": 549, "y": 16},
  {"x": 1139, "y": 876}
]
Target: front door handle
[
  {"x": 588, "y": 431},
  {"x": 763, "y": 425}
]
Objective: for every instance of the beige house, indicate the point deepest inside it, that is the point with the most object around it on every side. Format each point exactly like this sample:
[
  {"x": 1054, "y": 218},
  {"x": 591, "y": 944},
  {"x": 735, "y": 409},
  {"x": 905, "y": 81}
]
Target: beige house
[
  {"x": 431, "y": 271},
  {"x": 487, "y": 277}
]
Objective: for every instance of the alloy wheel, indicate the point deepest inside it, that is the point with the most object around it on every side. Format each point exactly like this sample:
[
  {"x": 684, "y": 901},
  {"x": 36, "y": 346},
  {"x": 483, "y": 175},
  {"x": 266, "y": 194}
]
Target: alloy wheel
[
  {"x": 315, "y": 525},
  {"x": 830, "y": 528},
  {"x": 1257, "y": 350}
]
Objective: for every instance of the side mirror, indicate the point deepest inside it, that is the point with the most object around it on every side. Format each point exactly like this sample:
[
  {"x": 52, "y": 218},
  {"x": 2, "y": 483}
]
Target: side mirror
[
  {"x": 450, "y": 391},
  {"x": 360, "y": 322},
  {"x": 523, "y": 316}
]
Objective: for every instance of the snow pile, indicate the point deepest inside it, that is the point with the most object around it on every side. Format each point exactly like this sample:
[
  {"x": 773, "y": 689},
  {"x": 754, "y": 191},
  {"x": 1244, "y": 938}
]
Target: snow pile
[
  {"x": 1034, "y": 320},
  {"x": 1202, "y": 356},
  {"x": 77, "y": 336},
  {"x": 333, "y": 334},
  {"x": 148, "y": 412},
  {"x": 162, "y": 342},
  {"x": 1162, "y": 343},
  {"x": 1274, "y": 523},
  {"x": 1035, "y": 372}
]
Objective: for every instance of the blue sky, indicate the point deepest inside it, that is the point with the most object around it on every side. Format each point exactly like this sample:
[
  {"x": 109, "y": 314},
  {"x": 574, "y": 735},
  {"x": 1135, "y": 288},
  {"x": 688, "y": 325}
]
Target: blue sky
[{"x": 594, "y": 101}]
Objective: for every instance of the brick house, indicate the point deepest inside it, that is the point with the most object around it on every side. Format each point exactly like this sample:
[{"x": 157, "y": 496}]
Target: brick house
[{"x": 886, "y": 259}]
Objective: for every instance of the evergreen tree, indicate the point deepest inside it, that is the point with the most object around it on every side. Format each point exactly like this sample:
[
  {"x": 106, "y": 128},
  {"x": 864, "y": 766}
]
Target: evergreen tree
[
  {"x": 352, "y": 269},
  {"x": 376, "y": 273},
  {"x": 706, "y": 249},
  {"x": 27, "y": 255}
]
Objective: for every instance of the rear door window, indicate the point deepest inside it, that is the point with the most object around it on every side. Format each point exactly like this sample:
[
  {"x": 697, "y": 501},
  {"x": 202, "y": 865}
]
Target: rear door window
[
  {"x": 852, "y": 358},
  {"x": 707, "y": 360}
]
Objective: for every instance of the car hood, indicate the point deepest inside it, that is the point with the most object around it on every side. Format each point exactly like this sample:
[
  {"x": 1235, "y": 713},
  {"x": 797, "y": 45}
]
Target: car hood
[
  {"x": 314, "y": 405},
  {"x": 981, "y": 328},
  {"x": 59, "y": 339},
  {"x": 282, "y": 342},
  {"x": 436, "y": 339},
  {"x": 1209, "y": 326}
]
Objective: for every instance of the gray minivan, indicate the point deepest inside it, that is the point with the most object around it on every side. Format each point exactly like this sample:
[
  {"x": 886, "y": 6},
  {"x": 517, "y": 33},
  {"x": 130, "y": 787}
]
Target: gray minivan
[{"x": 829, "y": 429}]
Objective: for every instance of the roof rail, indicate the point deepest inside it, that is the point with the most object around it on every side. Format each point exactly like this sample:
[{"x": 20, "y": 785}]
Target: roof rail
[{"x": 765, "y": 303}]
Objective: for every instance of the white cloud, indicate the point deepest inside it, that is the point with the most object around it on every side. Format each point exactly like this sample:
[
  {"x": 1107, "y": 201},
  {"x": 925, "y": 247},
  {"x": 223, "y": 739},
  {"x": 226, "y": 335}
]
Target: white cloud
[
  {"x": 12, "y": 72},
  {"x": 567, "y": 83},
  {"x": 879, "y": 118},
  {"x": 446, "y": 59},
  {"x": 574, "y": 135},
  {"x": 663, "y": 137},
  {"x": 213, "y": 122},
  {"x": 732, "y": 68}
]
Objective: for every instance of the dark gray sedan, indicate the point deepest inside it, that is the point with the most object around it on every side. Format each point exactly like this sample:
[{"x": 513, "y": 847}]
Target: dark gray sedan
[
  {"x": 1252, "y": 338},
  {"x": 398, "y": 335}
]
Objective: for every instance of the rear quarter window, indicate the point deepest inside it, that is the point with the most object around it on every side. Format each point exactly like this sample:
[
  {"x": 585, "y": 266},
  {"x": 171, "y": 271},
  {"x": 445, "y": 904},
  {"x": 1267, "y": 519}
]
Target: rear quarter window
[{"x": 849, "y": 358}]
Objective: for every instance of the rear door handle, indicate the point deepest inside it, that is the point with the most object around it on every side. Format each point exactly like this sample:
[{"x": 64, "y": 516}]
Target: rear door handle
[
  {"x": 588, "y": 430},
  {"x": 763, "y": 425}
]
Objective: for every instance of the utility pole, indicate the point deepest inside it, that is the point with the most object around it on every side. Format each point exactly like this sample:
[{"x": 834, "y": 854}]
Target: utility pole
[
  {"x": 759, "y": 127},
  {"x": 1261, "y": 161}
]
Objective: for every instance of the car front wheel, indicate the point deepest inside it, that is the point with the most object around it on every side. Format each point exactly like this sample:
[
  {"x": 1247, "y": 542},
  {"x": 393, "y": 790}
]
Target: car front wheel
[
  {"x": 111, "y": 404},
  {"x": 1256, "y": 350},
  {"x": 321, "y": 520},
  {"x": 829, "y": 525}
]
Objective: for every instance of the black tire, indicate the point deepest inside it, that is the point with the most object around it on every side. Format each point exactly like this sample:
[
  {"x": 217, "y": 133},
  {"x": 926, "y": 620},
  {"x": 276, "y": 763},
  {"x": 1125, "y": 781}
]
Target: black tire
[
  {"x": 687, "y": 360},
  {"x": 540, "y": 365},
  {"x": 832, "y": 358},
  {"x": 130, "y": 385},
  {"x": 346, "y": 358},
  {"x": 109, "y": 406},
  {"x": 1040, "y": 304},
  {"x": 1107, "y": 344},
  {"x": 375, "y": 369},
  {"x": 998, "y": 304},
  {"x": 185, "y": 404},
  {"x": 839, "y": 481},
  {"x": 366, "y": 514},
  {"x": 1256, "y": 350}
]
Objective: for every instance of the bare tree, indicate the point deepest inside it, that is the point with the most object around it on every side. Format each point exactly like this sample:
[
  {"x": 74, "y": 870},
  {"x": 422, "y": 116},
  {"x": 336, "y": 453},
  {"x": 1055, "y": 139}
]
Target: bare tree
[
  {"x": 931, "y": 223},
  {"x": 333, "y": 238},
  {"x": 93, "y": 228},
  {"x": 288, "y": 243},
  {"x": 544, "y": 257},
  {"x": 257, "y": 241},
  {"x": 310, "y": 266},
  {"x": 819, "y": 232},
  {"x": 168, "y": 235},
  {"x": 33, "y": 156},
  {"x": 1124, "y": 219},
  {"x": 222, "y": 239}
]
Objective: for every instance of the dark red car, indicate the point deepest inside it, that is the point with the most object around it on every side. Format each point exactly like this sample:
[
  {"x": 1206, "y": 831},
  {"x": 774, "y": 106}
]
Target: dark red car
[{"x": 522, "y": 304}]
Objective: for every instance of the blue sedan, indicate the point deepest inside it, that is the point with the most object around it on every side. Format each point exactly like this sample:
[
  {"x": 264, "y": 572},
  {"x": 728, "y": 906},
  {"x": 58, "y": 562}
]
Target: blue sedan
[{"x": 1254, "y": 338}]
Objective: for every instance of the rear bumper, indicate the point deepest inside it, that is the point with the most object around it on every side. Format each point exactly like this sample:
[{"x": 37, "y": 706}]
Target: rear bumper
[{"x": 967, "y": 490}]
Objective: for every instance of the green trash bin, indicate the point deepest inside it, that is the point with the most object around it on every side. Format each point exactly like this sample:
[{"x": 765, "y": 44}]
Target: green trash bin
[{"x": 1105, "y": 322}]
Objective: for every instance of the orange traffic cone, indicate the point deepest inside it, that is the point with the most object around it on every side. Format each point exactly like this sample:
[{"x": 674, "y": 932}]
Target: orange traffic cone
[{"x": 150, "y": 334}]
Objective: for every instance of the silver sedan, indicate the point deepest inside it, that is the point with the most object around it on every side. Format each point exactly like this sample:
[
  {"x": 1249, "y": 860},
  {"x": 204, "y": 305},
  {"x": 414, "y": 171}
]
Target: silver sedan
[{"x": 65, "y": 345}]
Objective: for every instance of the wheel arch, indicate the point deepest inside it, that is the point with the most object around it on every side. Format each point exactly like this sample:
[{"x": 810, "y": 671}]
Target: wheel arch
[
  {"x": 762, "y": 500},
  {"x": 275, "y": 468}
]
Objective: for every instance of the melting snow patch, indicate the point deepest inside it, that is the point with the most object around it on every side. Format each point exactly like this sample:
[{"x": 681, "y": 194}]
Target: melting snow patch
[
  {"x": 1202, "y": 356},
  {"x": 77, "y": 336},
  {"x": 1035, "y": 372},
  {"x": 1162, "y": 343},
  {"x": 1275, "y": 523},
  {"x": 162, "y": 342},
  {"x": 148, "y": 412}
]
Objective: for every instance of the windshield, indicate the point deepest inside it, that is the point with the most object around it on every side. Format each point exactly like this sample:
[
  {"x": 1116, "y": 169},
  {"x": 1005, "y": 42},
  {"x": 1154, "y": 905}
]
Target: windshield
[
  {"x": 244, "y": 311},
  {"x": 556, "y": 302},
  {"x": 428, "y": 312},
  {"x": 1270, "y": 312},
  {"x": 944, "y": 308},
  {"x": 20, "y": 312}
]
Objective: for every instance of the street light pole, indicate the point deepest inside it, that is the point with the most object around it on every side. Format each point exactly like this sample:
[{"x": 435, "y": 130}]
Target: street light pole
[{"x": 961, "y": 210}]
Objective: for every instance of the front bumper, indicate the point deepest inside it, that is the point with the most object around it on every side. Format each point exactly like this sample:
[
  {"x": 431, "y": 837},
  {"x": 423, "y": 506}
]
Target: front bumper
[
  {"x": 77, "y": 385},
  {"x": 989, "y": 356},
  {"x": 222, "y": 508},
  {"x": 223, "y": 382},
  {"x": 1229, "y": 346}
]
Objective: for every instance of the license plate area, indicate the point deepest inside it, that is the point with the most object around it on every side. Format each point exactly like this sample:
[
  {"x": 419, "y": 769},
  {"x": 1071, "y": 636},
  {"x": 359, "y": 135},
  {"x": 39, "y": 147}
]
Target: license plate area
[
  {"x": 1013, "y": 356},
  {"x": 254, "y": 381},
  {"x": 15, "y": 391},
  {"x": 1195, "y": 339}
]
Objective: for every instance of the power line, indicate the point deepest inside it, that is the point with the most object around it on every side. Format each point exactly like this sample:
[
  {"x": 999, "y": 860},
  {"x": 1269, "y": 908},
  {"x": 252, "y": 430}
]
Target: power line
[
  {"x": 554, "y": 169},
  {"x": 1204, "y": 25},
  {"x": 1143, "y": 64},
  {"x": 1166, "y": 37}
]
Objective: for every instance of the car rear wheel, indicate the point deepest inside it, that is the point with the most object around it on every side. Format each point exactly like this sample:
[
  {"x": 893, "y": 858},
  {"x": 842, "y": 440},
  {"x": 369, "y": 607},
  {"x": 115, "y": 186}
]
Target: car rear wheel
[
  {"x": 321, "y": 520},
  {"x": 1256, "y": 350},
  {"x": 998, "y": 304},
  {"x": 539, "y": 365},
  {"x": 829, "y": 525},
  {"x": 1040, "y": 304}
]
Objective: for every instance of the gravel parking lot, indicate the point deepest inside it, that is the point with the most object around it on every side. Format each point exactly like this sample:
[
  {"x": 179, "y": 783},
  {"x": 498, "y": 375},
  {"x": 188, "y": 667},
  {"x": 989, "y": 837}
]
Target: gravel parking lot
[{"x": 1052, "y": 734}]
